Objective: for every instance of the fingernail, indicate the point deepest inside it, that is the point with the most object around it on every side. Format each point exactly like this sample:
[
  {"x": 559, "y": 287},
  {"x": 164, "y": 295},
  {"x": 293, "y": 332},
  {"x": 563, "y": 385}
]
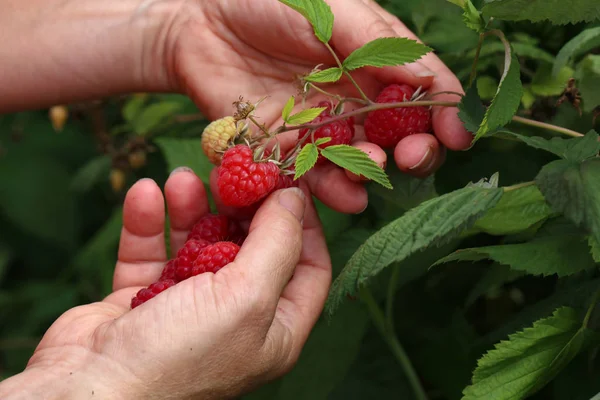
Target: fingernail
[
  {"x": 419, "y": 70},
  {"x": 425, "y": 160},
  {"x": 293, "y": 200},
  {"x": 181, "y": 169},
  {"x": 363, "y": 210}
]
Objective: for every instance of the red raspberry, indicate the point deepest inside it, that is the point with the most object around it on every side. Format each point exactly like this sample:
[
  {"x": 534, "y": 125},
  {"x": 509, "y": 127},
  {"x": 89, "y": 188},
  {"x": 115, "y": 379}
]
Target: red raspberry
[
  {"x": 186, "y": 257},
  {"x": 243, "y": 181},
  {"x": 169, "y": 271},
  {"x": 387, "y": 127},
  {"x": 150, "y": 292},
  {"x": 212, "y": 228},
  {"x": 214, "y": 257},
  {"x": 237, "y": 234},
  {"x": 340, "y": 132}
]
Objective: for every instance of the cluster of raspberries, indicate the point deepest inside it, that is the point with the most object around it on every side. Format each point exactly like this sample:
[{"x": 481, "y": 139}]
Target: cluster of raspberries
[{"x": 213, "y": 242}]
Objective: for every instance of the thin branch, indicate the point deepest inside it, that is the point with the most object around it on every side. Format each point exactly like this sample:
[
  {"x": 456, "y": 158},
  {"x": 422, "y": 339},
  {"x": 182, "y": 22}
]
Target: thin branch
[
  {"x": 544, "y": 125},
  {"x": 341, "y": 66}
]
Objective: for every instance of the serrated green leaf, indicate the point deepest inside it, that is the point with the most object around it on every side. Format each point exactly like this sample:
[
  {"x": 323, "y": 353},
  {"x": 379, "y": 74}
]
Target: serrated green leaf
[
  {"x": 471, "y": 109},
  {"x": 573, "y": 149},
  {"x": 561, "y": 255},
  {"x": 433, "y": 223},
  {"x": 545, "y": 84},
  {"x": 574, "y": 190},
  {"x": 91, "y": 173},
  {"x": 516, "y": 211},
  {"x": 154, "y": 115},
  {"x": 133, "y": 107},
  {"x": 472, "y": 17},
  {"x": 594, "y": 248},
  {"x": 306, "y": 159},
  {"x": 287, "y": 109},
  {"x": 580, "y": 44},
  {"x": 322, "y": 140},
  {"x": 386, "y": 52},
  {"x": 555, "y": 11},
  {"x": 318, "y": 13},
  {"x": 507, "y": 98},
  {"x": 305, "y": 116},
  {"x": 185, "y": 153},
  {"x": 327, "y": 75},
  {"x": 356, "y": 161},
  {"x": 588, "y": 76},
  {"x": 520, "y": 366}
]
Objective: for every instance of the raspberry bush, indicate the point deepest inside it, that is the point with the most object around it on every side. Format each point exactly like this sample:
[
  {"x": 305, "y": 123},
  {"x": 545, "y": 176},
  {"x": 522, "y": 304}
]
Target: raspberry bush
[{"x": 479, "y": 282}]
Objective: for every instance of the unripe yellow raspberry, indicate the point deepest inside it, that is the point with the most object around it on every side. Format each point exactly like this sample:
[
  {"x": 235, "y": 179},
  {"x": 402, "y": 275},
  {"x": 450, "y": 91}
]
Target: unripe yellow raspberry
[
  {"x": 58, "y": 116},
  {"x": 216, "y": 138}
]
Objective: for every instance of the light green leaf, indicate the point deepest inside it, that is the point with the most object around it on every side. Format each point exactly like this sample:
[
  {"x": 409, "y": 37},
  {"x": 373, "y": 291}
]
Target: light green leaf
[
  {"x": 574, "y": 190},
  {"x": 305, "y": 116},
  {"x": 386, "y": 52},
  {"x": 327, "y": 75},
  {"x": 580, "y": 44},
  {"x": 154, "y": 116},
  {"x": 507, "y": 98},
  {"x": 306, "y": 159},
  {"x": 516, "y": 211},
  {"x": 556, "y": 11},
  {"x": 287, "y": 109},
  {"x": 573, "y": 149},
  {"x": 356, "y": 161},
  {"x": 472, "y": 17},
  {"x": 545, "y": 84},
  {"x": 487, "y": 87},
  {"x": 318, "y": 13},
  {"x": 561, "y": 255},
  {"x": 595, "y": 248},
  {"x": 588, "y": 75},
  {"x": 522, "y": 365},
  {"x": 528, "y": 98},
  {"x": 460, "y": 3},
  {"x": 91, "y": 173},
  {"x": 133, "y": 107},
  {"x": 433, "y": 223},
  {"x": 471, "y": 109},
  {"x": 185, "y": 153},
  {"x": 322, "y": 140}
]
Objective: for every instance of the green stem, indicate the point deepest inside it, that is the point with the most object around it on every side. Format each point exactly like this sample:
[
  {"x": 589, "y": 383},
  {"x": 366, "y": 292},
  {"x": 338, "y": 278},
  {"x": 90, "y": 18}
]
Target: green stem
[
  {"x": 341, "y": 66},
  {"x": 476, "y": 59},
  {"x": 395, "y": 346},
  {"x": 324, "y": 92},
  {"x": 518, "y": 186},
  {"x": 389, "y": 307},
  {"x": 544, "y": 125},
  {"x": 260, "y": 126},
  {"x": 588, "y": 314}
]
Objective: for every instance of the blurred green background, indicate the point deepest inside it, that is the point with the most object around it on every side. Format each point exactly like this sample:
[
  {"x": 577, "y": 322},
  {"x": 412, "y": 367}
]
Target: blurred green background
[{"x": 61, "y": 194}]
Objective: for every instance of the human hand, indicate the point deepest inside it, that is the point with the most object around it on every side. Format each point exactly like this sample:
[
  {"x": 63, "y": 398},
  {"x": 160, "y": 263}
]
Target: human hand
[{"x": 213, "y": 335}]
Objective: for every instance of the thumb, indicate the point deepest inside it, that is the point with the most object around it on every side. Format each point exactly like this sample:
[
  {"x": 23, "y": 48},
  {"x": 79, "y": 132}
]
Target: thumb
[{"x": 272, "y": 249}]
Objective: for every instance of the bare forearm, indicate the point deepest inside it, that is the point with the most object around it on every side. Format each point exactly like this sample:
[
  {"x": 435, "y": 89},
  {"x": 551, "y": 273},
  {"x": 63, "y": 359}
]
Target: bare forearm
[{"x": 57, "y": 51}]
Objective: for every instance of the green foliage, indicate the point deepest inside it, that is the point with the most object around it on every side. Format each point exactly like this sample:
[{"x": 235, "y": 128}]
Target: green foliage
[
  {"x": 555, "y": 11},
  {"x": 287, "y": 109},
  {"x": 583, "y": 42},
  {"x": 306, "y": 159},
  {"x": 357, "y": 162},
  {"x": 520, "y": 366},
  {"x": 318, "y": 13},
  {"x": 327, "y": 75},
  {"x": 471, "y": 109},
  {"x": 386, "y": 52},
  {"x": 304, "y": 116},
  {"x": 574, "y": 150},
  {"x": 185, "y": 153},
  {"x": 588, "y": 75}
]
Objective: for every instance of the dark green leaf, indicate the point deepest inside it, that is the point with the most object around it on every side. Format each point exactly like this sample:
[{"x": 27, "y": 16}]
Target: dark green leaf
[
  {"x": 507, "y": 98},
  {"x": 318, "y": 13},
  {"x": 305, "y": 116},
  {"x": 432, "y": 223},
  {"x": 487, "y": 87},
  {"x": 516, "y": 211},
  {"x": 588, "y": 75},
  {"x": 556, "y": 11},
  {"x": 306, "y": 159},
  {"x": 561, "y": 255},
  {"x": 386, "y": 52},
  {"x": 574, "y": 149},
  {"x": 328, "y": 75},
  {"x": 595, "y": 248},
  {"x": 185, "y": 153},
  {"x": 472, "y": 17},
  {"x": 520, "y": 366},
  {"x": 580, "y": 44},
  {"x": 574, "y": 190},
  {"x": 91, "y": 173},
  {"x": 154, "y": 116},
  {"x": 408, "y": 191},
  {"x": 287, "y": 109},
  {"x": 471, "y": 109},
  {"x": 356, "y": 161}
]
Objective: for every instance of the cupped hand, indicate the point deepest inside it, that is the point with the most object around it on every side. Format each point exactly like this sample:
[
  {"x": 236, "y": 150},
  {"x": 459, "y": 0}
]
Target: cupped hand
[
  {"x": 213, "y": 335},
  {"x": 257, "y": 48}
]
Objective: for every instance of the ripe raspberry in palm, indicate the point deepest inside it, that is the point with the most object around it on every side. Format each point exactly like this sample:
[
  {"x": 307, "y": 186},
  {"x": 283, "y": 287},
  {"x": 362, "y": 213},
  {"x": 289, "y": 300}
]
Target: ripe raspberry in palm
[
  {"x": 387, "y": 127},
  {"x": 150, "y": 292},
  {"x": 211, "y": 227},
  {"x": 216, "y": 138},
  {"x": 214, "y": 257},
  {"x": 340, "y": 132},
  {"x": 186, "y": 257},
  {"x": 168, "y": 272},
  {"x": 241, "y": 180}
]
